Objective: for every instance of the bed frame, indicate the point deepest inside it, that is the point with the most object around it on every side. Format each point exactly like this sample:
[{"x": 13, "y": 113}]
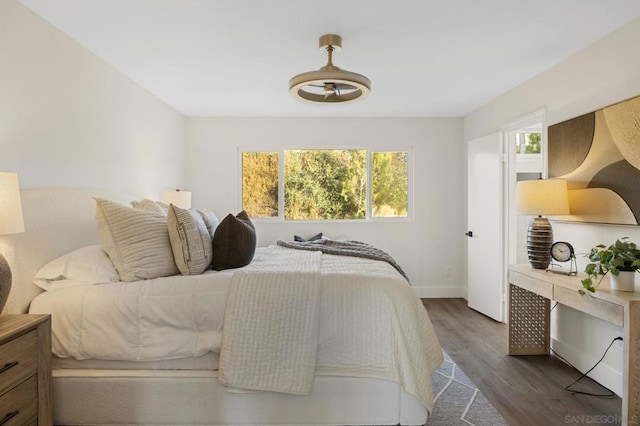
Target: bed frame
[{"x": 60, "y": 220}]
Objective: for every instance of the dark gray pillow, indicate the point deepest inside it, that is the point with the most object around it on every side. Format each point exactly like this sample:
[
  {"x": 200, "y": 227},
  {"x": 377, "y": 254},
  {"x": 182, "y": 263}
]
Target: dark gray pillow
[{"x": 234, "y": 242}]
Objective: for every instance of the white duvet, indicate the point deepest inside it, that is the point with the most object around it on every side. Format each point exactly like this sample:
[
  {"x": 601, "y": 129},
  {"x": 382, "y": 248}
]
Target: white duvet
[
  {"x": 159, "y": 319},
  {"x": 368, "y": 323}
]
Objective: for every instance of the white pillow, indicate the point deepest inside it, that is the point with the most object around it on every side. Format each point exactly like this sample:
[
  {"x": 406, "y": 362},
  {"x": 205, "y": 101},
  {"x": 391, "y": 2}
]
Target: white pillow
[
  {"x": 86, "y": 265},
  {"x": 190, "y": 241},
  {"x": 136, "y": 241},
  {"x": 210, "y": 220},
  {"x": 149, "y": 205}
]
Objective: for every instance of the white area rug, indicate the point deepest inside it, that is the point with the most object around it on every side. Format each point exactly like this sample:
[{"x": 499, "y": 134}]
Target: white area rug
[{"x": 458, "y": 401}]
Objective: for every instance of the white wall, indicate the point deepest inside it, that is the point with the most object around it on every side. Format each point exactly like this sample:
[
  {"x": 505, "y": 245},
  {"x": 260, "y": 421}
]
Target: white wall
[
  {"x": 602, "y": 74},
  {"x": 69, "y": 119},
  {"x": 424, "y": 247}
]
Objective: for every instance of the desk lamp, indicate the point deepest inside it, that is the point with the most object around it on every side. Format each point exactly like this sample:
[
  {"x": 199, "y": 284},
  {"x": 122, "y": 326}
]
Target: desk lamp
[{"x": 541, "y": 197}]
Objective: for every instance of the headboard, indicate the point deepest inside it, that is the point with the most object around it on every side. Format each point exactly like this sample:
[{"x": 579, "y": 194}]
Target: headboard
[{"x": 56, "y": 222}]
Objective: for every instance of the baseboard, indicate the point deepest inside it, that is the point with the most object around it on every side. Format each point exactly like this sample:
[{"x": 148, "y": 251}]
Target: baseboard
[
  {"x": 606, "y": 376},
  {"x": 440, "y": 292}
]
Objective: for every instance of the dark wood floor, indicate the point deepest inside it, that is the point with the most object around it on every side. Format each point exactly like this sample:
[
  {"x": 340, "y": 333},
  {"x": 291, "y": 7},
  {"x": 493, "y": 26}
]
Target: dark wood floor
[{"x": 526, "y": 390}]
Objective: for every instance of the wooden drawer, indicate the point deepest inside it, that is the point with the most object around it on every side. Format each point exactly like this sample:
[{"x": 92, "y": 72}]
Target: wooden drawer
[
  {"x": 599, "y": 308},
  {"x": 19, "y": 406},
  {"x": 18, "y": 360}
]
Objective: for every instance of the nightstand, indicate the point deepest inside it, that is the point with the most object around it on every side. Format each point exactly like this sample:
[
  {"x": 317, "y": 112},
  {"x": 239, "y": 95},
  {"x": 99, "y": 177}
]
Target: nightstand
[{"x": 25, "y": 370}]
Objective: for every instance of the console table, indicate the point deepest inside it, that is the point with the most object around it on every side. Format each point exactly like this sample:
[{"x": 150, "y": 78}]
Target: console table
[{"x": 530, "y": 293}]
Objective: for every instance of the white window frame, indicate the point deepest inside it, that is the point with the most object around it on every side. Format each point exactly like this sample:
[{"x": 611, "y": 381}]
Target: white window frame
[{"x": 369, "y": 154}]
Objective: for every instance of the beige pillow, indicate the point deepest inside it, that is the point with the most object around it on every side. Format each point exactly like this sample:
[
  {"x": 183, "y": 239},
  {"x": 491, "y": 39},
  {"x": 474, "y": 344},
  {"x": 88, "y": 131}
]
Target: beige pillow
[
  {"x": 190, "y": 240},
  {"x": 137, "y": 241}
]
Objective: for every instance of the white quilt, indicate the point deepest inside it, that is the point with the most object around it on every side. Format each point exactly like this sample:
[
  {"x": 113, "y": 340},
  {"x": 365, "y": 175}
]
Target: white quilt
[
  {"x": 271, "y": 326},
  {"x": 371, "y": 324}
]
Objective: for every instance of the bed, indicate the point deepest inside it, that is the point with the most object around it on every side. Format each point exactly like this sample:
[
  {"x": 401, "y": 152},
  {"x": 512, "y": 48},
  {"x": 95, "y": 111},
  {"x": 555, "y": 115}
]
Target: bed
[{"x": 370, "y": 341}]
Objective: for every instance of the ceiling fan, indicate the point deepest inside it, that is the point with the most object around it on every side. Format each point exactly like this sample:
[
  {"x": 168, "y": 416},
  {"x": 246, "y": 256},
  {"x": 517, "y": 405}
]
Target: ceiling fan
[{"x": 330, "y": 84}]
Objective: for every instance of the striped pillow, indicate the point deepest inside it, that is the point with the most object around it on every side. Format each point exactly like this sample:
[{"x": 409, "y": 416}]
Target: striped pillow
[
  {"x": 137, "y": 241},
  {"x": 190, "y": 240}
]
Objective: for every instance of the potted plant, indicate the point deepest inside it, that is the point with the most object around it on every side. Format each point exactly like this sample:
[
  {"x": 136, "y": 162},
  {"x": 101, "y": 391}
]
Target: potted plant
[{"x": 620, "y": 258}]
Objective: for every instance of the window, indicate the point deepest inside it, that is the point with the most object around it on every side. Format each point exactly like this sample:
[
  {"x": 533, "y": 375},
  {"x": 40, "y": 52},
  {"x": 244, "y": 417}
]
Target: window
[
  {"x": 389, "y": 177},
  {"x": 528, "y": 143},
  {"x": 260, "y": 183},
  {"x": 325, "y": 184}
]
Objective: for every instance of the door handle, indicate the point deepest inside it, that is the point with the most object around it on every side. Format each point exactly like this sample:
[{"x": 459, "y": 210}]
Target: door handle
[{"x": 469, "y": 234}]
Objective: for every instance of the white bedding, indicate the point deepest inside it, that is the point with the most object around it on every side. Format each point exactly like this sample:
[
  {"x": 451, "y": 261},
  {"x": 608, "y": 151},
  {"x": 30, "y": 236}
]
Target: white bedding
[
  {"x": 271, "y": 330},
  {"x": 159, "y": 319},
  {"x": 371, "y": 324},
  {"x": 359, "y": 313}
]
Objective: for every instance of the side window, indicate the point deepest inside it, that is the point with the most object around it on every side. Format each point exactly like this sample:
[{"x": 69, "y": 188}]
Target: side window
[
  {"x": 260, "y": 184},
  {"x": 528, "y": 143},
  {"x": 390, "y": 184}
]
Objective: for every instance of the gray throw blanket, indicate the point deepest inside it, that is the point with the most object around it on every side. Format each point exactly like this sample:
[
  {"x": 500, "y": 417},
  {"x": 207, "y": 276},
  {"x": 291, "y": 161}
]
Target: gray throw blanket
[{"x": 345, "y": 248}]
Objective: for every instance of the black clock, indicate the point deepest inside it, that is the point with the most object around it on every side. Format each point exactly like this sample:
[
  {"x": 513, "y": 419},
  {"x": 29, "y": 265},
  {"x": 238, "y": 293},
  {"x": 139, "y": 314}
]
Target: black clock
[{"x": 562, "y": 251}]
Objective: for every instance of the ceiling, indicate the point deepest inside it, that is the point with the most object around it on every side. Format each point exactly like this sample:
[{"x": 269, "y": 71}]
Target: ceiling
[{"x": 228, "y": 58}]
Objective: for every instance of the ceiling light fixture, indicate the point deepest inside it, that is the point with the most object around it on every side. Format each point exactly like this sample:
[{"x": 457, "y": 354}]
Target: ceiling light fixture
[{"x": 330, "y": 84}]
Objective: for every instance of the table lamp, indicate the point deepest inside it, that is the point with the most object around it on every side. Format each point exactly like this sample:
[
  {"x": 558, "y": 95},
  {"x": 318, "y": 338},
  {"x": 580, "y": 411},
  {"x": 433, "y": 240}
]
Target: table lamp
[
  {"x": 178, "y": 198},
  {"x": 11, "y": 222},
  {"x": 541, "y": 197}
]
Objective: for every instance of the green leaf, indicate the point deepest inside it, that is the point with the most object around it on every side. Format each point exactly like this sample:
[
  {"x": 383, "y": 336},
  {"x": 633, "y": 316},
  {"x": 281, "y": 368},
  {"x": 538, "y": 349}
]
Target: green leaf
[{"x": 588, "y": 285}]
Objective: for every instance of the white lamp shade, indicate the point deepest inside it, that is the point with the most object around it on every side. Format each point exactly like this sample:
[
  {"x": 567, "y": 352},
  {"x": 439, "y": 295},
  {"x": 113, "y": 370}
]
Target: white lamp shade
[
  {"x": 542, "y": 197},
  {"x": 11, "y": 221},
  {"x": 178, "y": 198}
]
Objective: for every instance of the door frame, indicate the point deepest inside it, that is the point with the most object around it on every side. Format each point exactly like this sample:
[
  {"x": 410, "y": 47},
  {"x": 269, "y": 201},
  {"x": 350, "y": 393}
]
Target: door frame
[{"x": 509, "y": 185}]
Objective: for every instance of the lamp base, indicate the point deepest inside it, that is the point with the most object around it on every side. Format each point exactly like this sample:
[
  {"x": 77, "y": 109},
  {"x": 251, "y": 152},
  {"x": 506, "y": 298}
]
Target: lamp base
[
  {"x": 539, "y": 241},
  {"x": 5, "y": 281}
]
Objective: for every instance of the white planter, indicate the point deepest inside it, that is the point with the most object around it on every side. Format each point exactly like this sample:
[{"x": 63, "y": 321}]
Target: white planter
[{"x": 625, "y": 281}]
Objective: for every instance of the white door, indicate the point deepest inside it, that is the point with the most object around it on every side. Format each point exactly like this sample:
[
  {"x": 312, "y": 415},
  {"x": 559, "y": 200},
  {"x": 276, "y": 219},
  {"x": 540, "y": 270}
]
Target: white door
[{"x": 484, "y": 220}]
